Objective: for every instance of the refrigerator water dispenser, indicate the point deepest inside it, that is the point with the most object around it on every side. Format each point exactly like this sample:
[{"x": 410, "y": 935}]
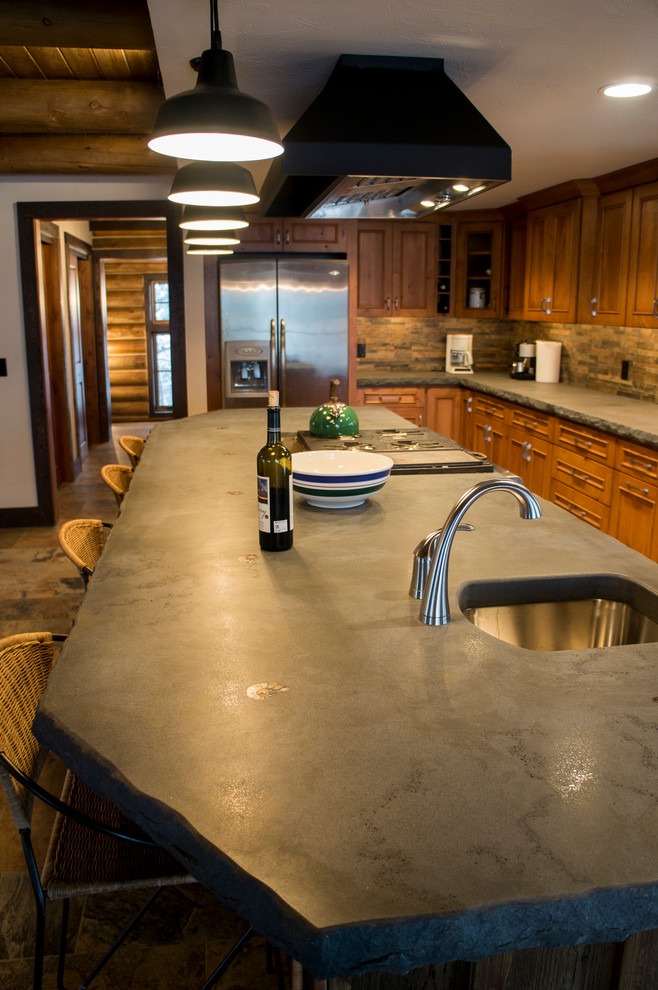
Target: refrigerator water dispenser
[{"x": 247, "y": 368}]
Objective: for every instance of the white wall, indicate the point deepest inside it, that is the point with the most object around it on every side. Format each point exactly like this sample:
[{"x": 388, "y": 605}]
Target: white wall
[{"x": 17, "y": 477}]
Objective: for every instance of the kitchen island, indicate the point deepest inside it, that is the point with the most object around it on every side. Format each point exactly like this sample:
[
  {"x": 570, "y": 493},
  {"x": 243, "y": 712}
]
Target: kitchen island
[{"x": 371, "y": 793}]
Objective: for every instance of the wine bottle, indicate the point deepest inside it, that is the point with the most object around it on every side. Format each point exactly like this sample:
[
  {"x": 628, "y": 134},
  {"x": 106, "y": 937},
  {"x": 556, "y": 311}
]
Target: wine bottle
[{"x": 274, "y": 468}]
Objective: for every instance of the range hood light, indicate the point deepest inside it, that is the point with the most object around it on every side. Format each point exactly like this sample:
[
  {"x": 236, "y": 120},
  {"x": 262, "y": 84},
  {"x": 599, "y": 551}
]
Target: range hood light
[
  {"x": 213, "y": 218},
  {"x": 429, "y": 203},
  {"x": 460, "y": 187},
  {"x": 215, "y": 121},
  {"x": 476, "y": 189},
  {"x": 213, "y": 184}
]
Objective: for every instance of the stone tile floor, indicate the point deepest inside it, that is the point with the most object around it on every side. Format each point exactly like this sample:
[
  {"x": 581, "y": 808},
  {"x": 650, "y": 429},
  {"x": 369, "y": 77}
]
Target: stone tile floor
[{"x": 180, "y": 942}]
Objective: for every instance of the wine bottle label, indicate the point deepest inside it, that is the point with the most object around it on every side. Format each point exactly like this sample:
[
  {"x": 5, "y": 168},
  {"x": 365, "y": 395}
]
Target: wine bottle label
[
  {"x": 266, "y": 523},
  {"x": 264, "y": 517}
]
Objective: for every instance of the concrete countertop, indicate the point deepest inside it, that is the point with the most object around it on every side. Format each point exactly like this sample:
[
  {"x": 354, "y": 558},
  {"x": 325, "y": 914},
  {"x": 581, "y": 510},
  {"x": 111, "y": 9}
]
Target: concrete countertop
[
  {"x": 415, "y": 794},
  {"x": 624, "y": 417}
]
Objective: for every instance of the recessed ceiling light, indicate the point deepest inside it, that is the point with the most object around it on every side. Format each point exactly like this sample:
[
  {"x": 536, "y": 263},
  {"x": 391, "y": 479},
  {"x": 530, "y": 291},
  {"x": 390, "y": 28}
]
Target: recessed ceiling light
[{"x": 628, "y": 89}]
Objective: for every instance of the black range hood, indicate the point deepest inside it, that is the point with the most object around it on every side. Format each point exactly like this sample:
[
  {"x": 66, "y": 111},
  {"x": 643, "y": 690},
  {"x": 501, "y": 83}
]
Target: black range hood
[{"x": 388, "y": 137}]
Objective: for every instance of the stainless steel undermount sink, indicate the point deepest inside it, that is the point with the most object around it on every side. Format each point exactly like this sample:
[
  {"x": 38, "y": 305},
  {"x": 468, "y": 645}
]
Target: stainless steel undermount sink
[{"x": 577, "y": 612}]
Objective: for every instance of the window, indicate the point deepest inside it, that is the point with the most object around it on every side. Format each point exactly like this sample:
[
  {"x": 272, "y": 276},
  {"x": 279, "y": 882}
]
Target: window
[{"x": 158, "y": 345}]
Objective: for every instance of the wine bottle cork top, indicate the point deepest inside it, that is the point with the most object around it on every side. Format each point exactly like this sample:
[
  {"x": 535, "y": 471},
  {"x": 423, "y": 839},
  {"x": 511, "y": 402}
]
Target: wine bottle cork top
[{"x": 272, "y": 398}]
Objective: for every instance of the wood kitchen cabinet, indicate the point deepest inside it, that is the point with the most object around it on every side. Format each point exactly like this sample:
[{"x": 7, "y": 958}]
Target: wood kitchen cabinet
[
  {"x": 478, "y": 269},
  {"x": 642, "y": 300},
  {"x": 490, "y": 428},
  {"x": 406, "y": 402},
  {"x": 552, "y": 256},
  {"x": 605, "y": 261},
  {"x": 281, "y": 234},
  {"x": 396, "y": 268},
  {"x": 442, "y": 411},
  {"x": 634, "y": 509},
  {"x": 517, "y": 238}
]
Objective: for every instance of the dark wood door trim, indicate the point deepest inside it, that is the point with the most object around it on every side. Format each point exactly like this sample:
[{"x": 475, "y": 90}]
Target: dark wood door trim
[{"x": 27, "y": 214}]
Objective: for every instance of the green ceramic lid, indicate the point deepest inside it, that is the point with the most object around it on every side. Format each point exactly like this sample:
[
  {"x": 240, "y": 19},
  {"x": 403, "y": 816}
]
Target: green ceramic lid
[{"x": 334, "y": 418}]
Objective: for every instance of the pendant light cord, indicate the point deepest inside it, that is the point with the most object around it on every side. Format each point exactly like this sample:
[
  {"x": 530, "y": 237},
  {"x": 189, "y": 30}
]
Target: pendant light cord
[{"x": 215, "y": 33}]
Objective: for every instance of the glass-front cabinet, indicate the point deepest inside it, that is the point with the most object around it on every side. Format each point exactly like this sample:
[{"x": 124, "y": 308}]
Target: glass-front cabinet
[{"x": 478, "y": 287}]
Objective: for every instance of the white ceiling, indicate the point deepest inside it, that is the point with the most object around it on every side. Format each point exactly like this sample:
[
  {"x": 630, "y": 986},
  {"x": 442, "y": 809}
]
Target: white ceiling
[{"x": 532, "y": 67}]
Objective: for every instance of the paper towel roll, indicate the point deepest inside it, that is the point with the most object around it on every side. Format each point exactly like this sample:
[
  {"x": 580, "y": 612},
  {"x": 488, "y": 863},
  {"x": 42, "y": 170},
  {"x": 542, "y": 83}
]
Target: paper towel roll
[{"x": 547, "y": 366}]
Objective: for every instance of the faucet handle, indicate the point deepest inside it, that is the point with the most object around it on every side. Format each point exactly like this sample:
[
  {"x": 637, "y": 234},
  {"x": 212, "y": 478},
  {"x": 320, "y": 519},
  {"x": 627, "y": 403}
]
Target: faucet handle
[
  {"x": 423, "y": 554},
  {"x": 421, "y": 565}
]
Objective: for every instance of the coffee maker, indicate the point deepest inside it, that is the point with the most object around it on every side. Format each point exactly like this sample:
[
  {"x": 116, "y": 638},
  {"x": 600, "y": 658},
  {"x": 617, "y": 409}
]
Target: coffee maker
[
  {"x": 459, "y": 353},
  {"x": 523, "y": 365}
]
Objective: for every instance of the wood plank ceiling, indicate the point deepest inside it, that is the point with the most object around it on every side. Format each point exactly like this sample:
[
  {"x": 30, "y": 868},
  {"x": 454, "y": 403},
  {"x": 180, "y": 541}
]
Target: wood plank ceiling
[{"x": 79, "y": 87}]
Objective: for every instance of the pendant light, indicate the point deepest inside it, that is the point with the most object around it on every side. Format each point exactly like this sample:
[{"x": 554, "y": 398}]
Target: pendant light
[
  {"x": 214, "y": 238},
  {"x": 213, "y": 184},
  {"x": 215, "y": 121},
  {"x": 208, "y": 250},
  {"x": 213, "y": 218}
]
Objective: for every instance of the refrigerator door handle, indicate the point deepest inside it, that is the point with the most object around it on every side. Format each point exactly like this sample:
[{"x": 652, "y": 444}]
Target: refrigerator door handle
[
  {"x": 282, "y": 364},
  {"x": 274, "y": 377}
]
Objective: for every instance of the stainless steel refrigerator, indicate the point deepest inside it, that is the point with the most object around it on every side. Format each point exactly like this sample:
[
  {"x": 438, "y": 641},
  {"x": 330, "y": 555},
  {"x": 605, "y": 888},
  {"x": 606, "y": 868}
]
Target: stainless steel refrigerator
[{"x": 283, "y": 326}]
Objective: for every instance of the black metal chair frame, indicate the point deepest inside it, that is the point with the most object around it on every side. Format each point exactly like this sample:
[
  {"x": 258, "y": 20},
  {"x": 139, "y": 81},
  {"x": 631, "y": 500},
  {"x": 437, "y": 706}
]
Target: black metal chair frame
[{"x": 41, "y": 898}]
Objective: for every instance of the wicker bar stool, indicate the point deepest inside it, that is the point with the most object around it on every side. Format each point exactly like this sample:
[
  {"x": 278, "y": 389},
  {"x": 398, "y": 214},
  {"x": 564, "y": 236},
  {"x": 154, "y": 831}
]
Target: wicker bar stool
[
  {"x": 83, "y": 541},
  {"x": 134, "y": 447},
  {"x": 118, "y": 478},
  {"x": 93, "y": 847}
]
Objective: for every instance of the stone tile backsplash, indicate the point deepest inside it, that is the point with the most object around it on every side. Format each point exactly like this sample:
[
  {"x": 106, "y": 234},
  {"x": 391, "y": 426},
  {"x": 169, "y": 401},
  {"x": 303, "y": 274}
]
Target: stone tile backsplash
[{"x": 591, "y": 355}]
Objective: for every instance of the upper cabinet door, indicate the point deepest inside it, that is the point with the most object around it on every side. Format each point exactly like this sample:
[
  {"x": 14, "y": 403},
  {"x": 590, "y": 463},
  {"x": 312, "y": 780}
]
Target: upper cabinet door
[
  {"x": 282, "y": 234},
  {"x": 479, "y": 267},
  {"x": 605, "y": 260},
  {"x": 396, "y": 268},
  {"x": 642, "y": 304},
  {"x": 553, "y": 241},
  {"x": 415, "y": 266},
  {"x": 374, "y": 262}
]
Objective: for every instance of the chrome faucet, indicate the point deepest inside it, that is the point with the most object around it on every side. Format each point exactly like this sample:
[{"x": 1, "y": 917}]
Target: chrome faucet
[{"x": 434, "y": 609}]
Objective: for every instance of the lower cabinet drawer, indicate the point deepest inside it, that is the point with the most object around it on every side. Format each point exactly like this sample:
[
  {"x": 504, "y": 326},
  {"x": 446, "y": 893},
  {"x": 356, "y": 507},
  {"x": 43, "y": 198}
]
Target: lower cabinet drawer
[
  {"x": 632, "y": 459},
  {"x": 581, "y": 506},
  {"x": 583, "y": 474},
  {"x": 582, "y": 440},
  {"x": 396, "y": 397}
]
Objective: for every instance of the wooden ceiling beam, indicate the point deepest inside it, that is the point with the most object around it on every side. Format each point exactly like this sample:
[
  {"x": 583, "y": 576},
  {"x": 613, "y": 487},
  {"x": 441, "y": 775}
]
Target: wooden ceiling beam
[
  {"x": 81, "y": 154},
  {"x": 77, "y": 24},
  {"x": 44, "y": 106}
]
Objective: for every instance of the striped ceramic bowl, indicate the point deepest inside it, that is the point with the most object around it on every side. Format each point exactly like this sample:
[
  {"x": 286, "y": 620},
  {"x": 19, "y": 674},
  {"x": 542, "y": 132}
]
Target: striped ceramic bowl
[{"x": 339, "y": 479}]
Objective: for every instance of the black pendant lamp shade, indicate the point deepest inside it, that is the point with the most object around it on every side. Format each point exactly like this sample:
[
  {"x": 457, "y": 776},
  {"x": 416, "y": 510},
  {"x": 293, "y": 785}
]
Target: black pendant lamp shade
[
  {"x": 213, "y": 184},
  {"x": 215, "y": 121},
  {"x": 213, "y": 218}
]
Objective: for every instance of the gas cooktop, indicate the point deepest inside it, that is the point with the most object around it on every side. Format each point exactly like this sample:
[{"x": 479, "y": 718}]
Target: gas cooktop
[{"x": 415, "y": 450}]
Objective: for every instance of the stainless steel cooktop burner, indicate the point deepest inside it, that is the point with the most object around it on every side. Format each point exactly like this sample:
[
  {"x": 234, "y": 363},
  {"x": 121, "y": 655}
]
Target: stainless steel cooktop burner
[{"x": 416, "y": 450}]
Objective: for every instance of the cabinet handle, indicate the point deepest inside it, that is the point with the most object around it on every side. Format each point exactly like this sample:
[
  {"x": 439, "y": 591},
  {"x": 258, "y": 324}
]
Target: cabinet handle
[
  {"x": 592, "y": 307},
  {"x": 287, "y": 237},
  {"x": 526, "y": 451},
  {"x": 638, "y": 491},
  {"x": 387, "y": 303},
  {"x": 397, "y": 304},
  {"x": 486, "y": 433},
  {"x": 278, "y": 236},
  {"x": 548, "y": 306},
  {"x": 654, "y": 311},
  {"x": 390, "y": 398},
  {"x": 420, "y": 419},
  {"x": 469, "y": 404},
  {"x": 575, "y": 473},
  {"x": 576, "y": 510},
  {"x": 646, "y": 465},
  {"x": 579, "y": 442}
]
